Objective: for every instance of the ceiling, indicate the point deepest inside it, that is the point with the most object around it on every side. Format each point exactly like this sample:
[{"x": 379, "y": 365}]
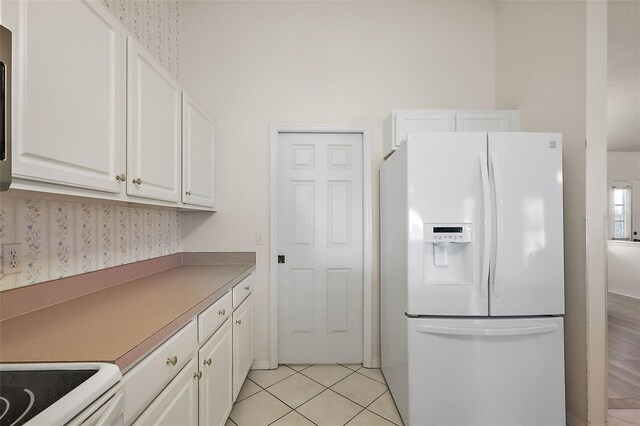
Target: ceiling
[{"x": 624, "y": 76}]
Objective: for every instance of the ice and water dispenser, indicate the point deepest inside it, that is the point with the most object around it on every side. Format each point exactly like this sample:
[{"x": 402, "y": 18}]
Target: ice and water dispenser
[{"x": 448, "y": 253}]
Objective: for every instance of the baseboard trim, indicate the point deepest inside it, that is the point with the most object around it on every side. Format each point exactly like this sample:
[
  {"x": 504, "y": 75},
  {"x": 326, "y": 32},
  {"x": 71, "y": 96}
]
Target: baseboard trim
[
  {"x": 260, "y": 365},
  {"x": 573, "y": 420}
]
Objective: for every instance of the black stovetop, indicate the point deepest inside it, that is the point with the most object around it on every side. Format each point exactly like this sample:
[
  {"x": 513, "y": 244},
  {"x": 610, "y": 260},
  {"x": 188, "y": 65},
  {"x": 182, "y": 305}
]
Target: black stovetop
[{"x": 26, "y": 393}]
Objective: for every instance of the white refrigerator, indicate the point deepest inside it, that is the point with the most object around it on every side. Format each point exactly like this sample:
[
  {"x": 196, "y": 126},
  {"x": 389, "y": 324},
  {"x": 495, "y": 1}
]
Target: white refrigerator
[{"x": 472, "y": 279}]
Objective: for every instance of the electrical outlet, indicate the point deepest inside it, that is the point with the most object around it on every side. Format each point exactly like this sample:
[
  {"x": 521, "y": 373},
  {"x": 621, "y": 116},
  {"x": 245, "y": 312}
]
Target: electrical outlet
[
  {"x": 11, "y": 258},
  {"x": 259, "y": 238}
]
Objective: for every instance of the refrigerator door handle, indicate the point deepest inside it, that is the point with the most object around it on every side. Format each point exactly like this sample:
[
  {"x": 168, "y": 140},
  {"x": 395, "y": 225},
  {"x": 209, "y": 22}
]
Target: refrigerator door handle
[
  {"x": 499, "y": 202},
  {"x": 486, "y": 200},
  {"x": 462, "y": 331}
]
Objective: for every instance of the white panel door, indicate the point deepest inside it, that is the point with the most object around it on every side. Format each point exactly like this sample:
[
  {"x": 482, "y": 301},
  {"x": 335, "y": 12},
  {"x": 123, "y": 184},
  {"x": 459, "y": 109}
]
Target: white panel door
[
  {"x": 153, "y": 128},
  {"x": 527, "y": 274},
  {"x": 448, "y": 186},
  {"x": 69, "y": 93},
  {"x": 487, "y": 121},
  {"x": 215, "y": 388},
  {"x": 198, "y": 138},
  {"x": 486, "y": 372},
  {"x": 320, "y": 236}
]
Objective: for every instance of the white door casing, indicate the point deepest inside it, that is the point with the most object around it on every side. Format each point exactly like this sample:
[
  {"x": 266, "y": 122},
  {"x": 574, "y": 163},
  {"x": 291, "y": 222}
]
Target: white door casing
[{"x": 320, "y": 233}]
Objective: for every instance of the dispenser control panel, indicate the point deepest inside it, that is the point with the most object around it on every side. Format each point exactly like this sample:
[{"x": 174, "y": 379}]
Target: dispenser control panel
[{"x": 447, "y": 233}]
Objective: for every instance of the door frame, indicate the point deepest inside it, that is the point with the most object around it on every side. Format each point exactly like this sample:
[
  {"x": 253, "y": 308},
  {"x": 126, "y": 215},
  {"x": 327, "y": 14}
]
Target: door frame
[{"x": 367, "y": 237}]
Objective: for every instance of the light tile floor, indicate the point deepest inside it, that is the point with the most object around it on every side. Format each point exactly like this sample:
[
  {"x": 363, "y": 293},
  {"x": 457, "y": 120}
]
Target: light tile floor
[{"x": 331, "y": 395}]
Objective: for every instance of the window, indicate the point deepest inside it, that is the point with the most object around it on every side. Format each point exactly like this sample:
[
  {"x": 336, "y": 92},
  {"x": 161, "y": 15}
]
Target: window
[{"x": 621, "y": 210}]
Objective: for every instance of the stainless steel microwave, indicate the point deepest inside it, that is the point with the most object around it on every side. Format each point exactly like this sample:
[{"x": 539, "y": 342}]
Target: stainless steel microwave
[{"x": 5, "y": 108}]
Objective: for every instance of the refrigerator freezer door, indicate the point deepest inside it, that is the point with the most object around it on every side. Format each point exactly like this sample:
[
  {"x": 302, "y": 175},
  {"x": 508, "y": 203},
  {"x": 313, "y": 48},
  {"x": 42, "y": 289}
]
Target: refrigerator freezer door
[
  {"x": 446, "y": 190},
  {"x": 527, "y": 274},
  {"x": 485, "y": 372}
]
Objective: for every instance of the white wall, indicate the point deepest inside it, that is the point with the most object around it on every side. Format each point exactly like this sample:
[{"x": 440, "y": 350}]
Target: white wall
[
  {"x": 255, "y": 63},
  {"x": 623, "y": 101},
  {"x": 540, "y": 69},
  {"x": 624, "y": 268},
  {"x": 623, "y": 165}
]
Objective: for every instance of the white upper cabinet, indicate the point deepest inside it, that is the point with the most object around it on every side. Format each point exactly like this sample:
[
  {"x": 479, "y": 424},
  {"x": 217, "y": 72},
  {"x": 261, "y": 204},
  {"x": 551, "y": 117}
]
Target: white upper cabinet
[
  {"x": 487, "y": 121},
  {"x": 198, "y": 171},
  {"x": 153, "y": 127},
  {"x": 402, "y": 122},
  {"x": 69, "y": 93}
]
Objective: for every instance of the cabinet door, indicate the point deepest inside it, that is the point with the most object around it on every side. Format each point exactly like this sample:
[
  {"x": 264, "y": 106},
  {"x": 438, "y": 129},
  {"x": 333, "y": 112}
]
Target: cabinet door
[
  {"x": 198, "y": 137},
  {"x": 242, "y": 343},
  {"x": 153, "y": 128},
  {"x": 69, "y": 93},
  {"x": 178, "y": 402},
  {"x": 422, "y": 122},
  {"x": 487, "y": 121},
  {"x": 215, "y": 392}
]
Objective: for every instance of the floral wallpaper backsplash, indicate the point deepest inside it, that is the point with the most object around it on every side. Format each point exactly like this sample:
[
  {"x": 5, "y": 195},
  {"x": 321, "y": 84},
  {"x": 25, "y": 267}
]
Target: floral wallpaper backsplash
[
  {"x": 155, "y": 24},
  {"x": 61, "y": 238}
]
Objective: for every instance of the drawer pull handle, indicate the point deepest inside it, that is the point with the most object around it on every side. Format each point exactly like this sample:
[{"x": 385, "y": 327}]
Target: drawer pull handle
[
  {"x": 172, "y": 361},
  {"x": 239, "y": 321},
  {"x": 121, "y": 177},
  {"x": 188, "y": 192},
  {"x": 197, "y": 375},
  {"x": 222, "y": 312},
  {"x": 137, "y": 181},
  {"x": 207, "y": 361},
  {"x": 247, "y": 288}
]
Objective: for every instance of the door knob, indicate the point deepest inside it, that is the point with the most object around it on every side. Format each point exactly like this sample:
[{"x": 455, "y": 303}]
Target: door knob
[
  {"x": 197, "y": 375},
  {"x": 221, "y": 312},
  {"x": 238, "y": 322},
  {"x": 207, "y": 361},
  {"x": 247, "y": 288},
  {"x": 188, "y": 192},
  {"x": 121, "y": 177},
  {"x": 137, "y": 181},
  {"x": 172, "y": 361}
]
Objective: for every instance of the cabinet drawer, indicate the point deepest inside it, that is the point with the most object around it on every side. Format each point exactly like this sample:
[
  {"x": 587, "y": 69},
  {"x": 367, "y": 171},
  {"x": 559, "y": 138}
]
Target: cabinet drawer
[
  {"x": 243, "y": 289},
  {"x": 213, "y": 317},
  {"x": 150, "y": 376}
]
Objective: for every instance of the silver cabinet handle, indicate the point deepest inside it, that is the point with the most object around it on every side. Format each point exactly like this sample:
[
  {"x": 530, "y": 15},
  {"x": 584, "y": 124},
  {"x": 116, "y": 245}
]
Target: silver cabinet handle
[
  {"x": 121, "y": 177},
  {"x": 207, "y": 361},
  {"x": 222, "y": 312},
  {"x": 137, "y": 181},
  {"x": 188, "y": 192},
  {"x": 247, "y": 288},
  {"x": 238, "y": 322},
  {"x": 197, "y": 375},
  {"x": 172, "y": 361}
]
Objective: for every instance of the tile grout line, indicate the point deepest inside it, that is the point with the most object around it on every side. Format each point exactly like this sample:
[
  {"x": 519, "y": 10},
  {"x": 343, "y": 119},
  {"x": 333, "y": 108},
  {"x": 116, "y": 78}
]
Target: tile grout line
[
  {"x": 330, "y": 388},
  {"x": 394, "y": 406}
]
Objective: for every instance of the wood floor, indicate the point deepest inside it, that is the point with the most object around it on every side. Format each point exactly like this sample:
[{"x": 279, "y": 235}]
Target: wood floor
[{"x": 624, "y": 352}]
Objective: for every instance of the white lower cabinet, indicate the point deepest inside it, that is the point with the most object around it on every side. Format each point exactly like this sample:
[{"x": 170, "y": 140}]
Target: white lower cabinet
[
  {"x": 195, "y": 386},
  {"x": 215, "y": 361},
  {"x": 242, "y": 343},
  {"x": 178, "y": 402}
]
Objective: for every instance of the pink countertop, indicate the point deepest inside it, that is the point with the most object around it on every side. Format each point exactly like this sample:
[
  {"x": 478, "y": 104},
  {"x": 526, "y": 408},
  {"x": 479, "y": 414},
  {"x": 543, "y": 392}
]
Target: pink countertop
[{"x": 118, "y": 324}]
